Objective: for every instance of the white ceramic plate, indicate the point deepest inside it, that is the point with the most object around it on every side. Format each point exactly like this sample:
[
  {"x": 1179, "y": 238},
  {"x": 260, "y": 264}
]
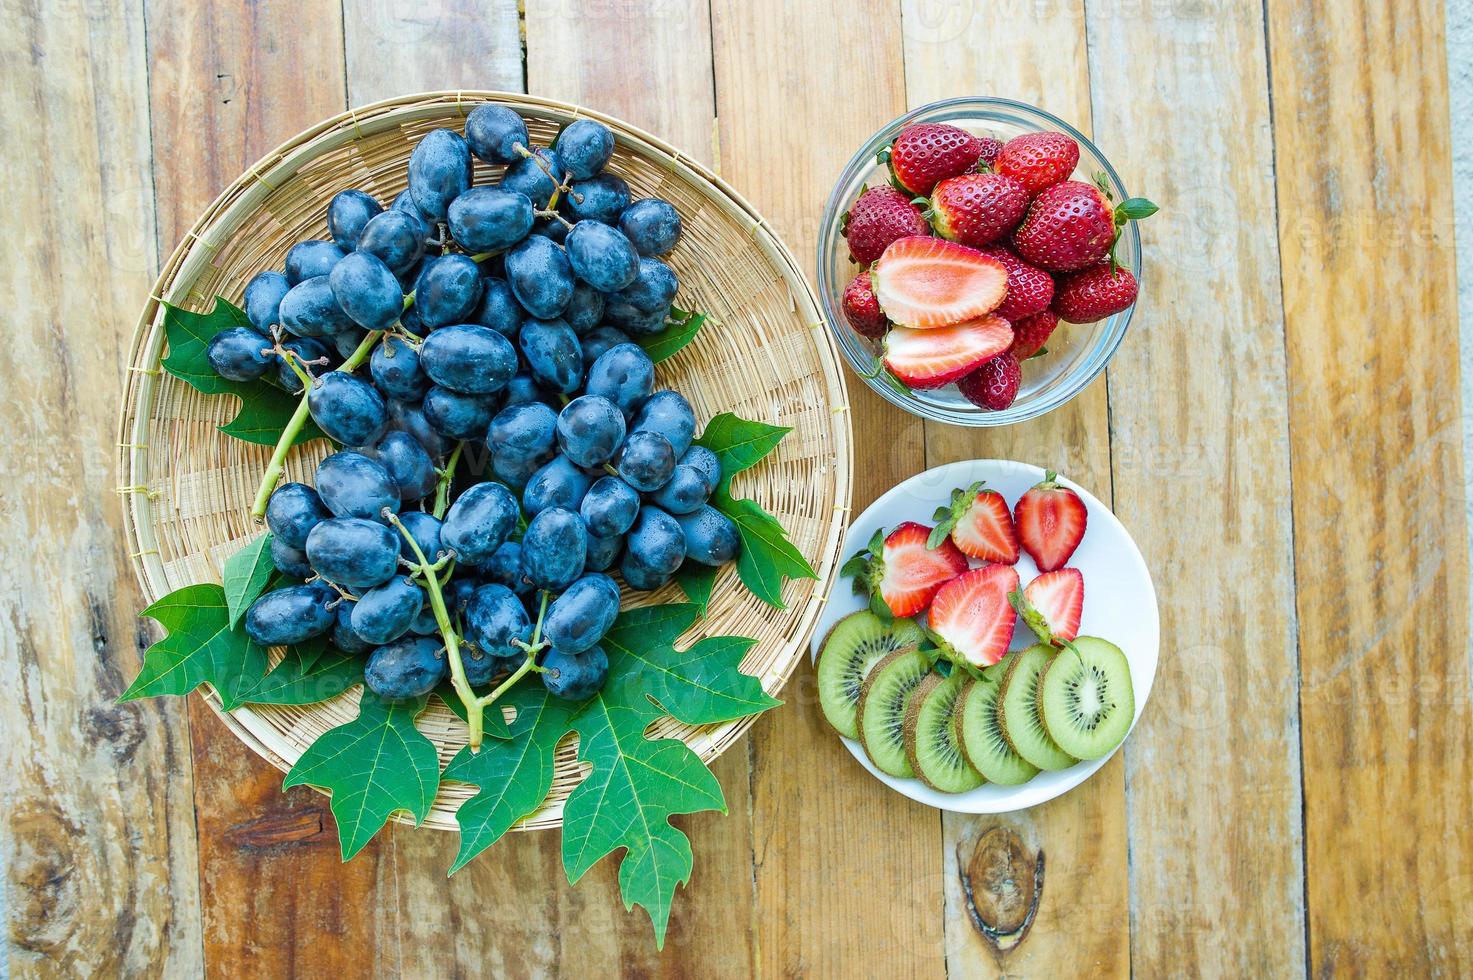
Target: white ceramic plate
[{"x": 1119, "y": 605}]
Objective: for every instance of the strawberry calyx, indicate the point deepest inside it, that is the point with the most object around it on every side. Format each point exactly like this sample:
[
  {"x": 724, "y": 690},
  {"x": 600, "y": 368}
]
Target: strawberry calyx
[
  {"x": 1033, "y": 618},
  {"x": 867, "y": 568},
  {"x": 946, "y": 516}
]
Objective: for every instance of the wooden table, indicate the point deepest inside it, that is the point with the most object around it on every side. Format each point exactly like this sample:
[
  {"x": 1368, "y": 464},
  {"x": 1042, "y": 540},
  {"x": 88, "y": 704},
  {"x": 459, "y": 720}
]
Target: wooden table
[{"x": 1281, "y": 432}]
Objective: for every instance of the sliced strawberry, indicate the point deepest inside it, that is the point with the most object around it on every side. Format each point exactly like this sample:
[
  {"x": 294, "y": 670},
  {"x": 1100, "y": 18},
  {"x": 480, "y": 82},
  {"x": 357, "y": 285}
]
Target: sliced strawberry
[
  {"x": 932, "y": 358},
  {"x": 1052, "y": 604},
  {"x": 1051, "y": 520},
  {"x": 901, "y": 571},
  {"x": 979, "y": 524},
  {"x": 929, "y": 282},
  {"x": 972, "y": 616}
]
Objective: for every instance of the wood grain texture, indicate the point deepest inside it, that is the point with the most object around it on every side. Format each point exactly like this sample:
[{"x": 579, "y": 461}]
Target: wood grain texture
[
  {"x": 1077, "y": 919},
  {"x": 97, "y": 847},
  {"x": 848, "y": 875},
  {"x": 1361, "y": 138},
  {"x": 399, "y": 49},
  {"x": 1200, "y": 460}
]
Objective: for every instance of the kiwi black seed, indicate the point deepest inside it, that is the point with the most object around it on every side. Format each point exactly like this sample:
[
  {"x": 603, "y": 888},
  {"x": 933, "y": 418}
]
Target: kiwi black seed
[{"x": 850, "y": 651}]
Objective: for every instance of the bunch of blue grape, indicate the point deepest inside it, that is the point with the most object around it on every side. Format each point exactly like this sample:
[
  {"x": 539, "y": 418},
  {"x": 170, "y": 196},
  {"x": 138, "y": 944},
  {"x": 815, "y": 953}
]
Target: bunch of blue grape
[{"x": 494, "y": 321}]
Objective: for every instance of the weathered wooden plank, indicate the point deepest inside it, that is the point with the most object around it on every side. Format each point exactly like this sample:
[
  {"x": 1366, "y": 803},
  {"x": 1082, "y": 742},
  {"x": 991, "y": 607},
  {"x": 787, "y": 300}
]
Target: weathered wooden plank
[
  {"x": 1366, "y": 241},
  {"x": 1200, "y": 460},
  {"x": 1080, "y": 922},
  {"x": 848, "y": 876},
  {"x": 397, "y": 49},
  {"x": 97, "y": 850}
]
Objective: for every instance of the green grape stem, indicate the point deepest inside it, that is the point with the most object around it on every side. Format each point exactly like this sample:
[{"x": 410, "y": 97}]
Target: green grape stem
[{"x": 447, "y": 476}]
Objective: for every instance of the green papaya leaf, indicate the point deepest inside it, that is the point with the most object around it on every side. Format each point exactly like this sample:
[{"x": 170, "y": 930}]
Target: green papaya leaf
[{"x": 200, "y": 648}]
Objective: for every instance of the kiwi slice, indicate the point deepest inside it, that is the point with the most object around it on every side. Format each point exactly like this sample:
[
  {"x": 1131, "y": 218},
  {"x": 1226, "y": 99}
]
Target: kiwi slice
[
  {"x": 1085, "y": 698},
  {"x": 1017, "y": 710},
  {"x": 931, "y": 742},
  {"x": 854, "y": 645},
  {"x": 883, "y": 701},
  {"x": 982, "y": 739}
]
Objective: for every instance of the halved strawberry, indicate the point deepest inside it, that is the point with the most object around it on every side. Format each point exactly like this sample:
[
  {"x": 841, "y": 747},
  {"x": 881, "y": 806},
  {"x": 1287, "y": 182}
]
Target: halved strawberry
[
  {"x": 1052, "y": 604},
  {"x": 979, "y": 524},
  {"x": 932, "y": 358},
  {"x": 901, "y": 571},
  {"x": 929, "y": 282},
  {"x": 971, "y": 614},
  {"x": 1051, "y": 520}
]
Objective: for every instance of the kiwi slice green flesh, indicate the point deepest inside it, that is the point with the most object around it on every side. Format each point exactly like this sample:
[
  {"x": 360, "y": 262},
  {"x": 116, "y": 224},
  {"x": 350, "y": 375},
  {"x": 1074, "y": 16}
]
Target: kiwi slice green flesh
[
  {"x": 931, "y": 742},
  {"x": 982, "y": 739},
  {"x": 854, "y": 645},
  {"x": 1017, "y": 710},
  {"x": 1085, "y": 698},
  {"x": 882, "y": 706}
]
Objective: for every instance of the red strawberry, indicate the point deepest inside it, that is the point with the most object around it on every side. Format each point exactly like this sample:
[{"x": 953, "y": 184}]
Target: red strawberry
[
  {"x": 994, "y": 385},
  {"x": 991, "y": 147},
  {"x": 924, "y": 153},
  {"x": 1038, "y": 159},
  {"x": 934, "y": 358},
  {"x": 1072, "y": 225},
  {"x": 1031, "y": 333},
  {"x": 1030, "y": 289},
  {"x": 878, "y": 217},
  {"x": 979, "y": 524},
  {"x": 901, "y": 571},
  {"x": 977, "y": 209},
  {"x": 1094, "y": 293},
  {"x": 972, "y": 616},
  {"x": 1052, "y": 604},
  {"x": 861, "y": 308},
  {"x": 1051, "y": 520},
  {"x": 930, "y": 282}
]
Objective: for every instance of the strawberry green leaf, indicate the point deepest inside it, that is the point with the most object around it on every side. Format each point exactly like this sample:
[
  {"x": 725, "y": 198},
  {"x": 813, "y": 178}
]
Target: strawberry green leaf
[
  {"x": 374, "y": 766},
  {"x": 200, "y": 648},
  {"x": 675, "y": 336},
  {"x": 493, "y": 722},
  {"x": 307, "y": 675},
  {"x": 1135, "y": 208},
  {"x": 245, "y": 576},
  {"x": 697, "y": 581},
  {"x": 264, "y": 408}
]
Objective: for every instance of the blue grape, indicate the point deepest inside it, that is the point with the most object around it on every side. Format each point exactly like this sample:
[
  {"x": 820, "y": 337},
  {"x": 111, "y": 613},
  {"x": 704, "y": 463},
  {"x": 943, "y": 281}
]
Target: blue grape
[
  {"x": 635, "y": 322},
  {"x": 505, "y": 568},
  {"x": 498, "y": 308},
  {"x": 382, "y": 614},
  {"x": 710, "y": 536},
  {"x": 347, "y": 409},
  {"x": 366, "y": 290},
  {"x": 424, "y": 622},
  {"x": 584, "y": 146},
  {"x": 706, "y": 461},
  {"x": 586, "y": 308},
  {"x": 553, "y": 229},
  {"x": 624, "y": 374},
  {"x": 396, "y": 370},
  {"x": 353, "y": 552},
  {"x": 347, "y": 214},
  {"x": 654, "y": 549},
  {"x": 581, "y": 616},
  {"x": 600, "y": 340},
  {"x": 263, "y": 295},
  {"x": 485, "y": 219},
  {"x": 447, "y": 290},
  {"x": 574, "y": 676},
  {"x": 458, "y": 592},
  {"x": 293, "y": 511},
  {"x": 409, "y": 319},
  {"x": 291, "y": 615},
  {"x": 456, "y": 415},
  {"x": 602, "y": 197},
  {"x": 353, "y": 485},
  {"x": 590, "y": 429},
  {"x": 653, "y": 288},
  {"x": 524, "y": 432},
  {"x": 408, "y": 416},
  {"x": 602, "y": 257},
  {"x": 396, "y": 238},
  {"x": 410, "y": 667},
  {"x": 439, "y": 172},
  {"x": 409, "y": 466},
  {"x": 480, "y": 668},
  {"x": 652, "y": 225},
  {"x": 288, "y": 560},
  {"x": 540, "y": 277},
  {"x": 668, "y": 413},
  {"x": 309, "y": 309},
  {"x": 237, "y": 354},
  {"x": 646, "y": 461},
  {"x": 310, "y": 259},
  {"x": 602, "y": 552},
  {"x": 479, "y": 521},
  {"x": 495, "y": 133},
  {"x": 528, "y": 177},
  {"x": 494, "y": 618},
  {"x": 686, "y": 492},
  {"x": 345, "y": 342},
  {"x": 553, "y": 549},
  {"x": 609, "y": 507},
  {"x": 552, "y": 353},
  {"x": 523, "y": 388},
  {"x": 404, "y": 202},
  {"x": 558, "y": 483},
  {"x": 342, "y": 636},
  {"x": 425, "y": 530},
  {"x": 310, "y": 349},
  {"x": 468, "y": 358}
]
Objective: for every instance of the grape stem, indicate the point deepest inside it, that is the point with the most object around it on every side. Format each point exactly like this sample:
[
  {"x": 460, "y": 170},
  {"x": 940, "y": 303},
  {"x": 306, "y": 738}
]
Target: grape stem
[
  {"x": 558, "y": 185},
  {"x": 553, "y": 215},
  {"x": 528, "y": 665},
  {"x": 447, "y": 476}
]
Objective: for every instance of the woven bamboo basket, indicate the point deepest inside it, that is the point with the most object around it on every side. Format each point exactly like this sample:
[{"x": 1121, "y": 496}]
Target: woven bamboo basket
[{"x": 765, "y": 354}]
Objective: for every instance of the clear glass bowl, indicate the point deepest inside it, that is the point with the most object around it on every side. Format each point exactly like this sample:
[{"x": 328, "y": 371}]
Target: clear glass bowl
[{"x": 1077, "y": 353}]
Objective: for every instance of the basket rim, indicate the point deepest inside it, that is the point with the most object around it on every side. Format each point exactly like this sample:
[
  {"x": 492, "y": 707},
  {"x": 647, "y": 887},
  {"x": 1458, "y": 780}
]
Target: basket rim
[{"x": 237, "y": 201}]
